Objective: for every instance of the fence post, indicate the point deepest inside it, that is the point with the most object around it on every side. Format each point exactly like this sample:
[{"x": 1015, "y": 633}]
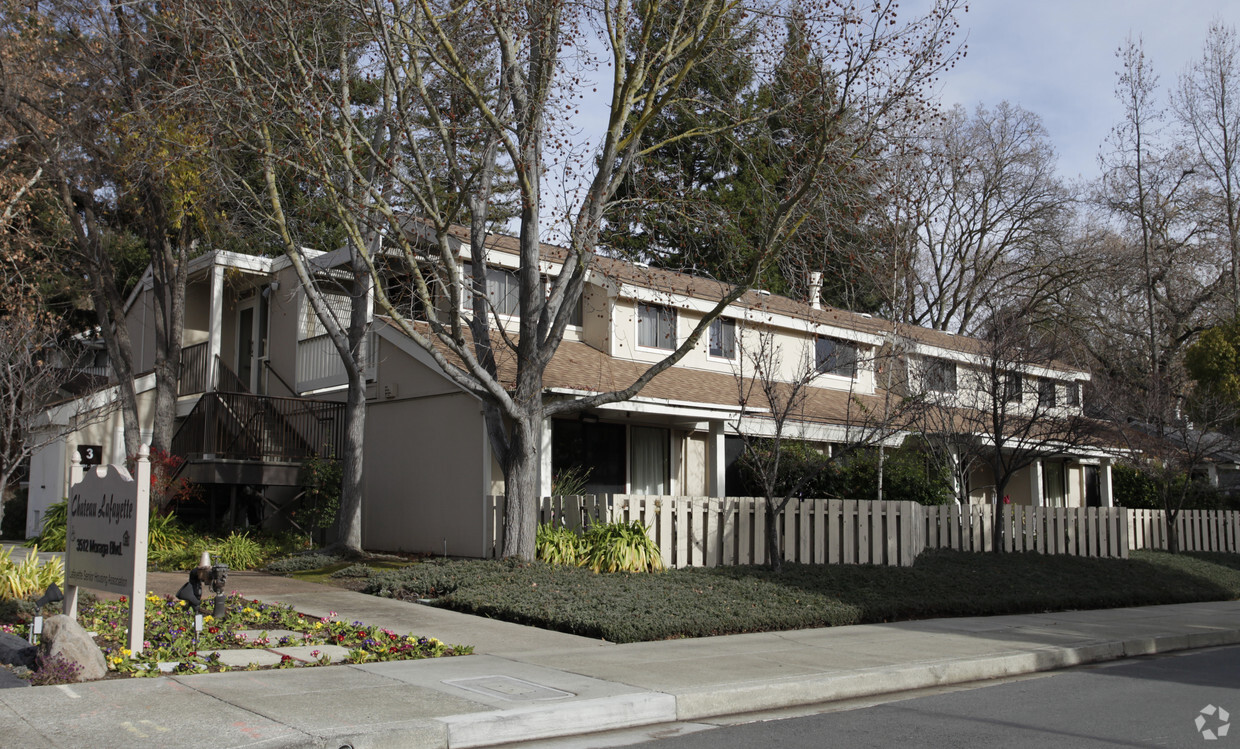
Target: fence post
[
  {"x": 835, "y": 543},
  {"x": 789, "y": 525},
  {"x": 711, "y": 537},
  {"x": 907, "y": 521}
]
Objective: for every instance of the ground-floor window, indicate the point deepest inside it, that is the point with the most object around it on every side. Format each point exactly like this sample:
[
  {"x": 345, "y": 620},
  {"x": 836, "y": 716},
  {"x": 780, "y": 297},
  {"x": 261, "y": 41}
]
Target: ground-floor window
[
  {"x": 1054, "y": 483},
  {"x": 595, "y": 450},
  {"x": 649, "y": 461}
]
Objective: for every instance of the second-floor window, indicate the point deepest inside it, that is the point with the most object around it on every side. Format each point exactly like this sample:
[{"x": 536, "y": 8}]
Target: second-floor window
[
  {"x": 1046, "y": 393},
  {"x": 1013, "y": 387},
  {"x": 833, "y": 356},
  {"x": 940, "y": 375},
  {"x": 1073, "y": 391},
  {"x": 656, "y": 326},
  {"x": 502, "y": 291},
  {"x": 723, "y": 338}
]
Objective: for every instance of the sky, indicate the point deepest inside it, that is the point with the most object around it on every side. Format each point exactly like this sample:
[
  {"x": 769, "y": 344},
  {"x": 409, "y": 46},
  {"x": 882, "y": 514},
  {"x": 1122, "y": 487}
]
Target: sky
[{"x": 1056, "y": 58}]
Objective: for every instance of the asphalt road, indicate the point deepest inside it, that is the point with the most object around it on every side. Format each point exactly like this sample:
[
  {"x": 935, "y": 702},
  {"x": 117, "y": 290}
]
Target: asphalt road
[{"x": 1152, "y": 702}]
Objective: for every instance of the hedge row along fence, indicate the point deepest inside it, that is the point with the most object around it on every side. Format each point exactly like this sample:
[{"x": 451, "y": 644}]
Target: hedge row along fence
[{"x": 712, "y": 532}]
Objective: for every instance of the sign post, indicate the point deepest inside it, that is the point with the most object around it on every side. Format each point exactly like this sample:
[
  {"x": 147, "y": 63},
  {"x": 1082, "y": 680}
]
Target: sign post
[{"x": 106, "y": 537}]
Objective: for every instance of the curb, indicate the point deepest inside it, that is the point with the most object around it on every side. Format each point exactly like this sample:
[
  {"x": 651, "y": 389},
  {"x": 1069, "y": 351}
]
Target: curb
[
  {"x": 653, "y": 708},
  {"x": 800, "y": 691}
]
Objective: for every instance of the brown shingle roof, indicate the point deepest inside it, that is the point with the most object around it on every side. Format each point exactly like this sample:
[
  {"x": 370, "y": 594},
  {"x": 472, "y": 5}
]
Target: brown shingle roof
[{"x": 674, "y": 282}]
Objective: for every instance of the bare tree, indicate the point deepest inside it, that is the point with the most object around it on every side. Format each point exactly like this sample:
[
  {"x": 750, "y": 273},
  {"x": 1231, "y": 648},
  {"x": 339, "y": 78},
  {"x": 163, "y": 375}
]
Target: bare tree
[
  {"x": 978, "y": 201},
  {"x": 86, "y": 100},
  {"x": 512, "y": 73},
  {"x": 33, "y": 360},
  {"x": 778, "y": 405},
  {"x": 1207, "y": 105},
  {"x": 1173, "y": 455},
  {"x": 1153, "y": 196},
  {"x": 1004, "y": 409}
]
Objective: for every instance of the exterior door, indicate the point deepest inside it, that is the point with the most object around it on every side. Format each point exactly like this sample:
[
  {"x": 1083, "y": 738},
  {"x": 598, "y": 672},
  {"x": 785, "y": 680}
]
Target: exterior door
[
  {"x": 1093, "y": 487},
  {"x": 251, "y": 342}
]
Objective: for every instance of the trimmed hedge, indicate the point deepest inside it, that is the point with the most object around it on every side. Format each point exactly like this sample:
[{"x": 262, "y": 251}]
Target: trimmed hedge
[{"x": 633, "y": 607}]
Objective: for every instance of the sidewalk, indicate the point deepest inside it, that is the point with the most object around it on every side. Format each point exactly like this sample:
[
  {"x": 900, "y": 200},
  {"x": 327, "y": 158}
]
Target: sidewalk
[{"x": 526, "y": 683}]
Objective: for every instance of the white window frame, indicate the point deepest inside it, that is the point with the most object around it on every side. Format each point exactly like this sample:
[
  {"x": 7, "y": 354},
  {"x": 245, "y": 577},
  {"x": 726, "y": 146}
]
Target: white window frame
[
  {"x": 663, "y": 312},
  {"x": 722, "y": 323},
  {"x": 831, "y": 364},
  {"x": 931, "y": 369}
]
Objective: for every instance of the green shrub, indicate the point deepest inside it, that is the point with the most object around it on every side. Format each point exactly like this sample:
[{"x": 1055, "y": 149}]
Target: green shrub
[
  {"x": 320, "y": 480},
  {"x": 354, "y": 571},
  {"x": 52, "y": 535},
  {"x": 166, "y": 534},
  {"x": 28, "y": 577},
  {"x": 570, "y": 481},
  {"x": 238, "y": 550},
  {"x": 557, "y": 545},
  {"x": 908, "y": 474},
  {"x": 302, "y": 562},
  {"x": 616, "y": 547},
  {"x": 628, "y": 607}
]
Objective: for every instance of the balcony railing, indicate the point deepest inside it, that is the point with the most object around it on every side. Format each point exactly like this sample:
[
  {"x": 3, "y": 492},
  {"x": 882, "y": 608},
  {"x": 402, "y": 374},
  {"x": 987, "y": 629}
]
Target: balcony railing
[
  {"x": 195, "y": 370},
  {"x": 242, "y": 426},
  {"x": 319, "y": 365}
]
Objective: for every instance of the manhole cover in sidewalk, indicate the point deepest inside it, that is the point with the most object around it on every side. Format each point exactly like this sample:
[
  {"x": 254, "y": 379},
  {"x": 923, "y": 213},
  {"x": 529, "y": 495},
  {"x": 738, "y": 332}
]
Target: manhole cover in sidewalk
[{"x": 509, "y": 688}]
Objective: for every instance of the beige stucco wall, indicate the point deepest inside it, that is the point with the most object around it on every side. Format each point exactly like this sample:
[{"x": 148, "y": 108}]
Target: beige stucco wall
[
  {"x": 596, "y": 317},
  {"x": 197, "y": 313},
  {"x": 425, "y": 478},
  {"x": 426, "y": 461},
  {"x": 795, "y": 349},
  {"x": 282, "y": 321},
  {"x": 140, "y": 320}
]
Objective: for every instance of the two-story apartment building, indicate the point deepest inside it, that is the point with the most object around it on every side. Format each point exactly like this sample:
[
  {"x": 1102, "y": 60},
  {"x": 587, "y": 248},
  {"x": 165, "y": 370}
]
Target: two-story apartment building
[{"x": 261, "y": 391}]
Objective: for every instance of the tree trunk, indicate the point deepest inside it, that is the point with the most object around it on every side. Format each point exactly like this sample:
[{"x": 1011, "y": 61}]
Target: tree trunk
[
  {"x": 349, "y": 517},
  {"x": 999, "y": 525},
  {"x": 169, "y": 279},
  {"x": 774, "y": 554},
  {"x": 1173, "y": 532},
  {"x": 521, "y": 490}
]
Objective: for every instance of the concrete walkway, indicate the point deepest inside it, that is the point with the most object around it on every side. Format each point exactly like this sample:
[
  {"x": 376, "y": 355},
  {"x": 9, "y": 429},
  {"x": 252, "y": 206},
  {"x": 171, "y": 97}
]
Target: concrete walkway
[{"x": 526, "y": 683}]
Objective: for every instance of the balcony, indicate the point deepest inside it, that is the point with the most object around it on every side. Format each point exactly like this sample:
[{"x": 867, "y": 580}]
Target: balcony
[{"x": 319, "y": 365}]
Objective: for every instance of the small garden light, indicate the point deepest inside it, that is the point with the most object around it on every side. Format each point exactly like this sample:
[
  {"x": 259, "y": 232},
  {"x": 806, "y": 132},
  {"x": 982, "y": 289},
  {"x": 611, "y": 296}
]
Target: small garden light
[{"x": 51, "y": 595}]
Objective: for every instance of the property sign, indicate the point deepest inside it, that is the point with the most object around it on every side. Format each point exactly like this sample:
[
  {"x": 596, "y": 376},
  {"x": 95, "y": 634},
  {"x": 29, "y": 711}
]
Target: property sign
[
  {"x": 90, "y": 455},
  {"x": 106, "y": 537}
]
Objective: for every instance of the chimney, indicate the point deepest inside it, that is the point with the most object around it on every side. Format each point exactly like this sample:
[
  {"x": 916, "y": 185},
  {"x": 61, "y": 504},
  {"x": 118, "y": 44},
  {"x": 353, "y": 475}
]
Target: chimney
[{"x": 815, "y": 289}]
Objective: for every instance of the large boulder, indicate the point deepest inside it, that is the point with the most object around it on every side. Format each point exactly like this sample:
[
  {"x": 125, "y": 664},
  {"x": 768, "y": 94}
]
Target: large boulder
[
  {"x": 63, "y": 636},
  {"x": 15, "y": 651}
]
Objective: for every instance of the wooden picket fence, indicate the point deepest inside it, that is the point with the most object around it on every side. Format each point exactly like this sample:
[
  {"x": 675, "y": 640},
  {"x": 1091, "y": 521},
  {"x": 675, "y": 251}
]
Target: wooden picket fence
[
  {"x": 1198, "y": 530},
  {"x": 710, "y": 532}
]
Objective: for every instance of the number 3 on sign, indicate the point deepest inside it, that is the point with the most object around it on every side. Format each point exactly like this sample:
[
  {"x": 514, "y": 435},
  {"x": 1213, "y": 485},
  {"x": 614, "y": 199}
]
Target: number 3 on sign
[{"x": 90, "y": 455}]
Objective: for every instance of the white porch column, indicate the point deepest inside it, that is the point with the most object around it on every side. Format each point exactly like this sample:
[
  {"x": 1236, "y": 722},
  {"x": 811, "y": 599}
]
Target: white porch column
[
  {"x": 1105, "y": 489},
  {"x": 544, "y": 460},
  {"x": 676, "y": 443},
  {"x": 1212, "y": 475},
  {"x": 215, "y": 326},
  {"x": 1035, "y": 484},
  {"x": 717, "y": 465}
]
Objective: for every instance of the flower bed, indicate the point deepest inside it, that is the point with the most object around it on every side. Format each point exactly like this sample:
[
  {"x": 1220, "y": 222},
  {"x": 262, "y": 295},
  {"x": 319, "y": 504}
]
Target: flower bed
[{"x": 171, "y": 636}]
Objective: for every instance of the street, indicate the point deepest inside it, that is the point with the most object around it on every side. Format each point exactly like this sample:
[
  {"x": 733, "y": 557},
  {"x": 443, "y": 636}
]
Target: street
[{"x": 1152, "y": 702}]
